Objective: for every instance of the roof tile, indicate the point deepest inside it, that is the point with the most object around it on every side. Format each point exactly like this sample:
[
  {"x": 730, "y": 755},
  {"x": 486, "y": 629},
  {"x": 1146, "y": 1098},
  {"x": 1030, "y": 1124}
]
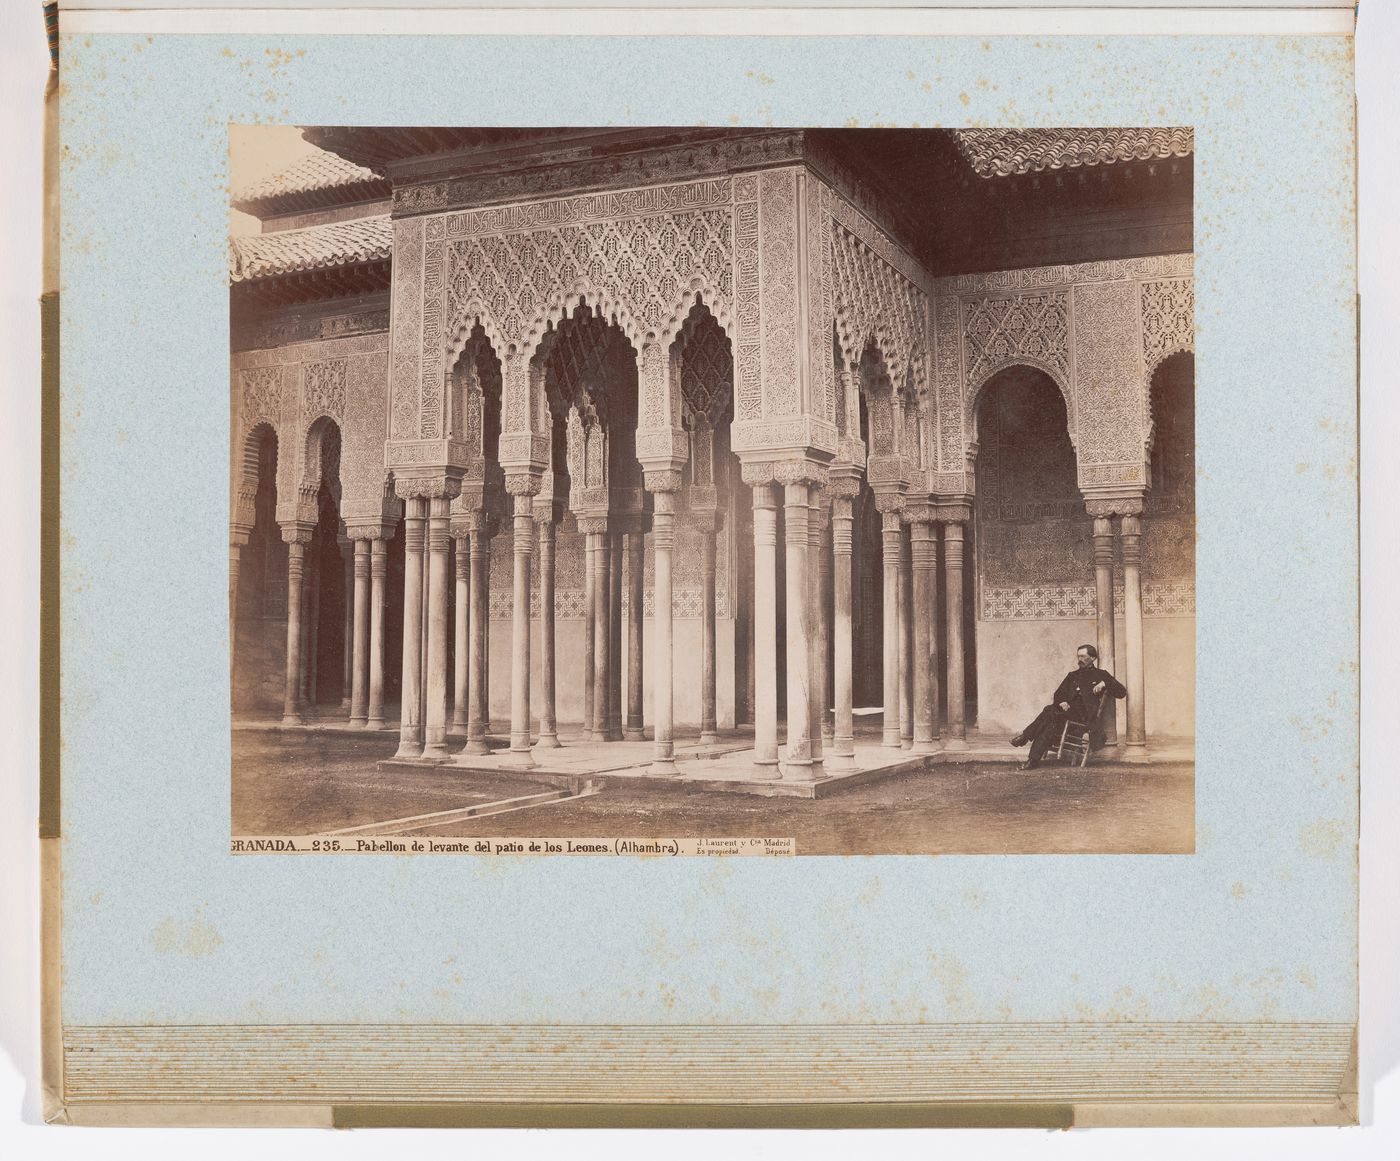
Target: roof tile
[
  {"x": 1004, "y": 152},
  {"x": 316, "y": 247}
]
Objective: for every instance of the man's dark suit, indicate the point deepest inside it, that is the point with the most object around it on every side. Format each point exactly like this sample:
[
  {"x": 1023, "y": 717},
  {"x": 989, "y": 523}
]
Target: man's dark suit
[{"x": 1078, "y": 690}]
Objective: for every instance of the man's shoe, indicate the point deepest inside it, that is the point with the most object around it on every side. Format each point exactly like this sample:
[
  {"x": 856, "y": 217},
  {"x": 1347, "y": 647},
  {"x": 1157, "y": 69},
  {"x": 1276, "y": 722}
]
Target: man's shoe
[
  {"x": 1019, "y": 740},
  {"x": 1027, "y": 765}
]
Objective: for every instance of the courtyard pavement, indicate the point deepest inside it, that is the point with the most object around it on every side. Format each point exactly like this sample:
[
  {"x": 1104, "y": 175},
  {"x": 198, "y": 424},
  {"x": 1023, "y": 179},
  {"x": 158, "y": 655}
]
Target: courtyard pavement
[{"x": 297, "y": 782}]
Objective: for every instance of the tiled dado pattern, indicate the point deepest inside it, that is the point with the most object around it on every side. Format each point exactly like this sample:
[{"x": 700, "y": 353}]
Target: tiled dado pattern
[{"x": 1076, "y": 602}]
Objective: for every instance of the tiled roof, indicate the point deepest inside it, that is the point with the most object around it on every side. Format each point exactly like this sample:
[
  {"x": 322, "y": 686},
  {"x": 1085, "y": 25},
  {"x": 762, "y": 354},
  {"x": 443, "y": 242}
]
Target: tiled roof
[
  {"x": 317, "y": 247},
  {"x": 1004, "y": 152},
  {"x": 315, "y": 172}
]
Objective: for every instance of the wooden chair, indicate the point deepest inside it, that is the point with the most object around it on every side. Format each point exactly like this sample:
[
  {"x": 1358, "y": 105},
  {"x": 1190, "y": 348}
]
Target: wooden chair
[{"x": 1072, "y": 746}]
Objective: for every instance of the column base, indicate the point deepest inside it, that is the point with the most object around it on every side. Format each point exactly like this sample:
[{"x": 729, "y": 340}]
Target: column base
[
  {"x": 356, "y": 723},
  {"x": 408, "y": 753},
  {"x": 890, "y": 737},
  {"x": 436, "y": 752},
  {"x": 375, "y": 723},
  {"x": 548, "y": 741},
  {"x": 521, "y": 758},
  {"x": 1136, "y": 753},
  {"x": 476, "y": 746},
  {"x": 292, "y": 720},
  {"x": 458, "y": 727},
  {"x": 612, "y": 735},
  {"x": 955, "y": 743},
  {"x": 634, "y": 734},
  {"x": 906, "y": 743},
  {"x": 925, "y": 746},
  {"x": 665, "y": 767},
  {"x": 800, "y": 770},
  {"x": 708, "y": 738},
  {"x": 834, "y": 761}
]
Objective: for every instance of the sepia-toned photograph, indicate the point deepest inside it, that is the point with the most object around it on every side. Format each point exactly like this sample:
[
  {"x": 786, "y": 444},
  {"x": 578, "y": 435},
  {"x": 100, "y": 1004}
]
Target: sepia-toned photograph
[{"x": 712, "y": 491}]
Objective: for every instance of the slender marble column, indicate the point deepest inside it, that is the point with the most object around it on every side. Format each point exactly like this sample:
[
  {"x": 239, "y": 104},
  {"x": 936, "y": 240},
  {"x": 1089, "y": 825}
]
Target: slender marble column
[
  {"x": 614, "y": 720},
  {"x": 633, "y": 731},
  {"x": 590, "y": 632},
  {"x": 956, "y": 734},
  {"x": 1103, "y": 595},
  {"x": 478, "y": 639},
  {"x": 358, "y": 649},
  {"x": 461, "y": 618},
  {"x": 410, "y": 712},
  {"x": 709, "y": 732},
  {"x": 924, "y": 559},
  {"x": 347, "y": 652},
  {"x": 378, "y": 574},
  {"x": 663, "y": 677},
  {"x": 906, "y": 640},
  {"x": 233, "y": 554},
  {"x": 297, "y": 539},
  {"x": 602, "y": 637},
  {"x": 549, "y": 729},
  {"x": 817, "y": 636},
  {"x": 765, "y": 634},
  {"x": 435, "y": 710},
  {"x": 797, "y": 759},
  {"x": 890, "y": 524},
  {"x": 519, "y": 752},
  {"x": 826, "y": 614},
  {"x": 843, "y": 745},
  {"x": 311, "y": 631},
  {"x": 1131, "y": 531}
]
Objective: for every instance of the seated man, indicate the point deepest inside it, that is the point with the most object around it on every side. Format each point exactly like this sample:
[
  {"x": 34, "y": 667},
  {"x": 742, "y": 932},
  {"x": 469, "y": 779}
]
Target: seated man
[{"x": 1076, "y": 699}]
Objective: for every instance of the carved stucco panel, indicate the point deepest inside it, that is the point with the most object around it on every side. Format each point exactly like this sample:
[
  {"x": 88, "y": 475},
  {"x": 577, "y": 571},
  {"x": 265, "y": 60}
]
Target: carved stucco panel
[
  {"x": 1168, "y": 319},
  {"x": 407, "y": 312},
  {"x": 1110, "y": 396},
  {"x": 778, "y": 275}
]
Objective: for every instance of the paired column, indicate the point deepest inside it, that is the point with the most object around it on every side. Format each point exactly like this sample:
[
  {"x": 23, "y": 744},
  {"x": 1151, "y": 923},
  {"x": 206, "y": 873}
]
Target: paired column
[
  {"x": 297, "y": 537},
  {"x": 924, "y": 561},
  {"x": 888, "y": 507},
  {"x": 461, "y": 617},
  {"x": 798, "y": 759},
  {"x": 663, "y": 485},
  {"x": 599, "y": 633},
  {"x": 633, "y": 730},
  {"x": 549, "y": 729},
  {"x": 378, "y": 577},
  {"x": 410, "y": 710},
  {"x": 955, "y": 737},
  {"x": 906, "y": 640},
  {"x": 358, "y": 646},
  {"x": 478, "y": 636},
  {"x": 590, "y": 725},
  {"x": 818, "y": 564},
  {"x": 1131, "y": 531},
  {"x": 843, "y": 747},
  {"x": 1103, "y": 595},
  {"x": 709, "y": 731},
  {"x": 765, "y": 635},
  {"x": 614, "y": 718},
  {"x": 435, "y": 713},
  {"x": 347, "y": 552},
  {"x": 523, "y": 489}
]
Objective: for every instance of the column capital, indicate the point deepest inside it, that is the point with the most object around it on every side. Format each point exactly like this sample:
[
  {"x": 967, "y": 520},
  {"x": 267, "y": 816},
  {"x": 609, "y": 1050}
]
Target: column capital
[
  {"x": 438, "y": 485},
  {"x": 297, "y": 531},
  {"x": 1113, "y": 503},
  {"x": 662, "y": 481},
  {"x": 889, "y": 502},
  {"x": 954, "y": 511},
  {"x": 465, "y": 523},
  {"x": 522, "y": 485},
  {"x": 593, "y": 525},
  {"x": 239, "y": 534},
  {"x": 375, "y": 531}
]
